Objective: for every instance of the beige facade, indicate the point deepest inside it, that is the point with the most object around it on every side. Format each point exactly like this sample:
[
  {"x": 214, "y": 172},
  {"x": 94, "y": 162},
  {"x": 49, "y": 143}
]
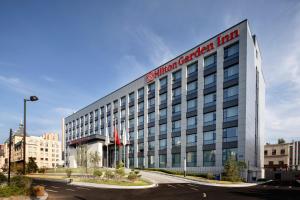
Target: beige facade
[
  {"x": 2, "y": 158},
  {"x": 45, "y": 149}
]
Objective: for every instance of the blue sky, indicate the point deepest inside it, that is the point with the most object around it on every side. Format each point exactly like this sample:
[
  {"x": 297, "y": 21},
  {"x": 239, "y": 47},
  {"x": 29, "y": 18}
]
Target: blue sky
[{"x": 70, "y": 53}]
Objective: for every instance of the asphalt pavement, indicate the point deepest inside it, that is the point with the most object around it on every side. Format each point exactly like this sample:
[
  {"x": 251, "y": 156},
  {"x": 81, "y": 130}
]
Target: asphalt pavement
[{"x": 169, "y": 191}]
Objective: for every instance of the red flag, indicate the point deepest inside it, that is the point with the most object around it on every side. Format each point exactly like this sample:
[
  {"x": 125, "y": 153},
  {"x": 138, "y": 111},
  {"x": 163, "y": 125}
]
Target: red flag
[{"x": 117, "y": 139}]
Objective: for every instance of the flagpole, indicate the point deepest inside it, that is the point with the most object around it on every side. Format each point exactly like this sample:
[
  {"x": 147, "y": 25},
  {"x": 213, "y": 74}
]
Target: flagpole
[
  {"x": 115, "y": 145},
  {"x": 107, "y": 156}
]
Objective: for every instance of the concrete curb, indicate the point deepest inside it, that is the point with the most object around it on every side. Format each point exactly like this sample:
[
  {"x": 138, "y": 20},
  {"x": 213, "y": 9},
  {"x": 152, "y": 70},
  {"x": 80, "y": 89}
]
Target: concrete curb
[
  {"x": 205, "y": 183},
  {"x": 51, "y": 180},
  {"x": 95, "y": 185}
]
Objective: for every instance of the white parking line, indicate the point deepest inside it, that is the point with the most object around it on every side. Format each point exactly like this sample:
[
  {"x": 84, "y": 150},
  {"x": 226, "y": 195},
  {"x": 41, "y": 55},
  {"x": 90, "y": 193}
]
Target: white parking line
[
  {"x": 194, "y": 189},
  {"x": 71, "y": 190},
  {"x": 51, "y": 190},
  {"x": 172, "y": 186}
]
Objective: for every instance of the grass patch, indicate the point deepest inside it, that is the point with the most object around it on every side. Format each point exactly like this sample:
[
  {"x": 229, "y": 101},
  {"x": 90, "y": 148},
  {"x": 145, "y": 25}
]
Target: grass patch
[
  {"x": 140, "y": 182},
  {"x": 46, "y": 176},
  {"x": 7, "y": 191}
]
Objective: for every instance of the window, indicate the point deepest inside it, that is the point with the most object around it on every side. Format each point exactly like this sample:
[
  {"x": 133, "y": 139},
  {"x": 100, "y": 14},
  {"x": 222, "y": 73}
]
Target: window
[
  {"x": 115, "y": 104},
  {"x": 176, "y": 92},
  {"x": 191, "y": 140},
  {"x": 192, "y": 86},
  {"x": 151, "y": 102},
  {"x": 162, "y": 160},
  {"x": 281, "y": 163},
  {"x": 141, "y": 162},
  {"x": 266, "y": 152},
  {"x": 162, "y": 144},
  {"x": 191, "y": 122},
  {"x": 141, "y": 107},
  {"x": 230, "y": 114},
  {"x": 141, "y": 120},
  {"x": 271, "y": 162},
  {"x": 131, "y": 123},
  {"x": 176, "y": 159},
  {"x": 209, "y": 158},
  {"x": 151, "y": 87},
  {"x": 192, "y": 105},
  {"x": 231, "y": 93},
  {"x": 210, "y": 99},
  {"x": 210, "y": 60},
  {"x": 151, "y": 131},
  {"x": 231, "y": 72},
  {"x": 108, "y": 107},
  {"x": 231, "y": 51},
  {"x": 163, "y": 113},
  {"x": 282, "y": 151},
  {"x": 209, "y": 137},
  {"x": 192, "y": 68},
  {"x": 273, "y": 152},
  {"x": 141, "y": 92},
  {"x": 176, "y": 126},
  {"x": 229, "y": 153},
  {"x": 163, "y": 82},
  {"x": 123, "y": 113},
  {"x": 177, "y": 76},
  {"x": 151, "y": 145},
  {"x": 176, "y": 141},
  {"x": 163, "y": 129},
  {"x": 191, "y": 159},
  {"x": 151, "y": 163},
  {"x": 141, "y": 147},
  {"x": 131, "y": 110},
  {"x": 151, "y": 117},
  {"x": 176, "y": 110},
  {"x": 131, "y": 97},
  {"x": 141, "y": 134},
  {"x": 210, "y": 81},
  {"x": 131, "y": 135},
  {"x": 163, "y": 98},
  {"x": 230, "y": 134},
  {"x": 209, "y": 119}
]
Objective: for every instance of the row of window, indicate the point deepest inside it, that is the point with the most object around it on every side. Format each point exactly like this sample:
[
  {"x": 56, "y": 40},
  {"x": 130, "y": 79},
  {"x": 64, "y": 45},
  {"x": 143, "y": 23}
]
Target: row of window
[{"x": 209, "y": 159}]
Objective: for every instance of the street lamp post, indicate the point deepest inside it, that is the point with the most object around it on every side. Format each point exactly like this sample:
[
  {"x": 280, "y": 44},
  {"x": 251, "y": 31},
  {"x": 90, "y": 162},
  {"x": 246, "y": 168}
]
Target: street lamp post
[{"x": 32, "y": 98}]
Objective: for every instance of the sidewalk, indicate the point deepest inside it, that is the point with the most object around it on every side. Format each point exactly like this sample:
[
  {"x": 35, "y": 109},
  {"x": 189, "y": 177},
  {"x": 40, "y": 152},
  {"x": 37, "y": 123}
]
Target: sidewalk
[{"x": 96, "y": 185}]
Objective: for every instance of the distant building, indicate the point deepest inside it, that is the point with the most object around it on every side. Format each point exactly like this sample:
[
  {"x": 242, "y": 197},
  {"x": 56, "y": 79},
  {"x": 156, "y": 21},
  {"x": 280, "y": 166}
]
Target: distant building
[
  {"x": 282, "y": 156},
  {"x": 2, "y": 158},
  {"x": 45, "y": 150}
]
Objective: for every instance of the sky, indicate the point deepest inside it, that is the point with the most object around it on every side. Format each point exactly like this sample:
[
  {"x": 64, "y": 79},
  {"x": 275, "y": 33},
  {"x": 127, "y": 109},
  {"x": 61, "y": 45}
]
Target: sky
[{"x": 70, "y": 53}]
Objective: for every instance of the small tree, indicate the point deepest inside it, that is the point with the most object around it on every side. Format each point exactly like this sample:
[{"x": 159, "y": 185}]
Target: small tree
[
  {"x": 233, "y": 169},
  {"x": 94, "y": 159},
  {"x": 281, "y": 141},
  {"x": 32, "y": 166}
]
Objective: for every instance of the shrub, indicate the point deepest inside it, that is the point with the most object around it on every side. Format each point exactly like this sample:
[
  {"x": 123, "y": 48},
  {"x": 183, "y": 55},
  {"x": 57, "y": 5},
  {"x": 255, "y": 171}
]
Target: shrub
[
  {"x": 97, "y": 173},
  {"x": 210, "y": 176},
  {"x": 109, "y": 174},
  {"x": 3, "y": 178},
  {"x": 42, "y": 170},
  {"x": 31, "y": 166},
  {"x": 120, "y": 165},
  {"x": 134, "y": 175},
  {"x": 232, "y": 170},
  {"x": 68, "y": 172},
  {"x": 21, "y": 182},
  {"x": 120, "y": 172},
  {"x": 7, "y": 191}
]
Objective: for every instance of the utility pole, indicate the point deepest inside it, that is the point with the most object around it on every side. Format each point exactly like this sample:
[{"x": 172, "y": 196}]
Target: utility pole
[
  {"x": 9, "y": 156},
  {"x": 24, "y": 139}
]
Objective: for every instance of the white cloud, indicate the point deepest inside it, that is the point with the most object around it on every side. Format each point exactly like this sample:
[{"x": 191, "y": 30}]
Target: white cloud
[
  {"x": 48, "y": 78},
  {"x": 64, "y": 111},
  {"x": 15, "y": 84}
]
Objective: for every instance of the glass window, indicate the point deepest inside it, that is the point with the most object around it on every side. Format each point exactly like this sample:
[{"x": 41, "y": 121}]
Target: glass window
[
  {"x": 231, "y": 50},
  {"x": 231, "y": 93},
  {"x": 108, "y": 107},
  {"x": 191, "y": 122},
  {"x": 151, "y": 87},
  {"x": 123, "y": 101},
  {"x": 141, "y": 162},
  {"x": 141, "y": 147},
  {"x": 116, "y": 104},
  {"x": 141, "y": 134},
  {"x": 209, "y": 118},
  {"x": 209, "y": 80},
  {"x": 209, "y": 137},
  {"x": 230, "y": 114},
  {"x": 131, "y": 123},
  {"x": 230, "y": 134},
  {"x": 192, "y": 86},
  {"x": 227, "y": 153},
  {"x": 191, "y": 105},
  {"x": 176, "y": 76},
  {"x": 163, "y": 98},
  {"x": 163, "y": 82},
  {"x": 123, "y": 112},
  {"x": 209, "y": 158},
  {"x": 141, "y": 106},
  {"x": 131, "y": 135},
  {"x": 151, "y": 131},
  {"x": 191, "y": 140},
  {"x": 176, "y": 158},
  {"x": 131, "y": 110},
  {"x": 192, "y": 68},
  {"x": 176, "y": 109},
  {"x": 141, "y": 120},
  {"x": 141, "y": 92},
  {"x": 151, "y": 145},
  {"x": 163, "y": 113},
  {"x": 176, "y": 92},
  {"x": 210, "y": 99},
  {"x": 162, "y": 144},
  {"x": 151, "y": 163},
  {"x": 151, "y": 102},
  {"x": 151, "y": 117},
  {"x": 176, "y": 141},
  {"x": 176, "y": 126},
  {"x": 131, "y": 97},
  {"x": 231, "y": 72},
  {"x": 191, "y": 159},
  {"x": 162, "y": 160},
  {"x": 210, "y": 60},
  {"x": 163, "y": 129}
]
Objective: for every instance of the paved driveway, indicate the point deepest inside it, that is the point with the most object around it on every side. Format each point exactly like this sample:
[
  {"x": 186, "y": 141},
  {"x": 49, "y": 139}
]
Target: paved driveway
[{"x": 161, "y": 178}]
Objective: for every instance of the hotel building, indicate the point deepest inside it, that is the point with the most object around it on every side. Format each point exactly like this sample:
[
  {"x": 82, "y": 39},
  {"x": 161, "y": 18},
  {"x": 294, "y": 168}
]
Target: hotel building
[{"x": 203, "y": 106}]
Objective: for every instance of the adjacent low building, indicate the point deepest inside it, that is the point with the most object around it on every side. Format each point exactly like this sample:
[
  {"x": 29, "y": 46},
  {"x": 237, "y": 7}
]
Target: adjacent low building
[
  {"x": 45, "y": 149},
  {"x": 203, "y": 106}
]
